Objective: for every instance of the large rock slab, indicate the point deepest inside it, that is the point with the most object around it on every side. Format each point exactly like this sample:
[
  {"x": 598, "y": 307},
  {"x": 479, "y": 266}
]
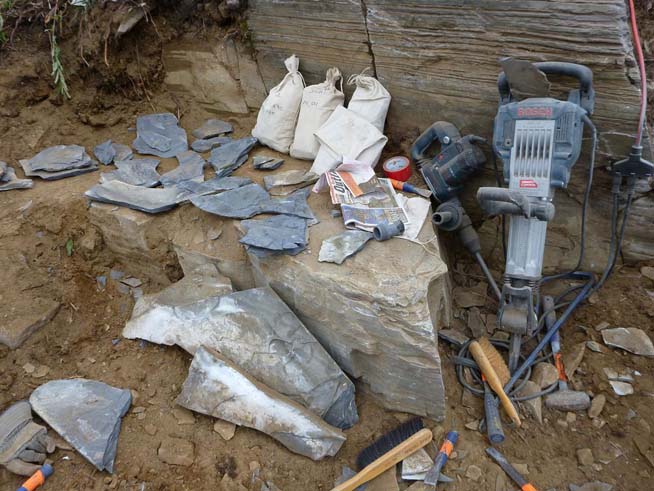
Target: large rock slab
[
  {"x": 256, "y": 330},
  {"x": 87, "y": 414},
  {"x": 376, "y": 314},
  {"x": 219, "y": 388}
]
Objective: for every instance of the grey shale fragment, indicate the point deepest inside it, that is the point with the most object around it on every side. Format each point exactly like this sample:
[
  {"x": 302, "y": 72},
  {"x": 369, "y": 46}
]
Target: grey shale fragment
[
  {"x": 338, "y": 248},
  {"x": 86, "y": 413},
  {"x": 229, "y": 157},
  {"x": 214, "y": 185},
  {"x": 149, "y": 200},
  {"x": 250, "y": 200},
  {"x": 217, "y": 387},
  {"x": 255, "y": 329},
  {"x": 105, "y": 152},
  {"x": 630, "y": 339},
  {"x": 212, "y": 128},
  {"x": 59, "y": 162},
  {"x": 282, "y": 233},
  {"x": 210, "y": 143},
  {"x": 108, "y": 151},
  {"x": 137, "y": 172},
  {"x": 191, "y": 167},
  {"x": 263, "y": 162},
  {"x": 160, "y": 135}
]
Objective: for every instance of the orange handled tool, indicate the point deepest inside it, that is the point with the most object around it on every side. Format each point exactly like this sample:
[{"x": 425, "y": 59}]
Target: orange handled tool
[{"x": 37, "y": 479}]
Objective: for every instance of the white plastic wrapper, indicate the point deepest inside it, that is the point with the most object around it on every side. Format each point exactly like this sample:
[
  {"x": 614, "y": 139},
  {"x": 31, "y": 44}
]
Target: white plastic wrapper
[
  {"x": 276, "y": 120},
  {"x": 318, "y": 103},
  {"x": 346, "y": 135},
  {"x": 370, "y": 99}
]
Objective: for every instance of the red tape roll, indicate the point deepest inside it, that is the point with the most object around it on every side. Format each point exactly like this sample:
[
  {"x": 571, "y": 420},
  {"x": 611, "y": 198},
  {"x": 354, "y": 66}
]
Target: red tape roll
[{"x": 397, "y": 168}]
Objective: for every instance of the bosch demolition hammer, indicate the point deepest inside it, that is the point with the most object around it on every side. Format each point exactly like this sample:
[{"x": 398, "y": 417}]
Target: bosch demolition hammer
[{"x": 538, "y": 141}]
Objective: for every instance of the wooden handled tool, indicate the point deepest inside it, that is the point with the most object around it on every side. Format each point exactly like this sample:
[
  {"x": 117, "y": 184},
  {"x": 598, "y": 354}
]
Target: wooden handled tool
[
  {"x": 388, "y": 460},
  {"x": 494, "y": 381}
]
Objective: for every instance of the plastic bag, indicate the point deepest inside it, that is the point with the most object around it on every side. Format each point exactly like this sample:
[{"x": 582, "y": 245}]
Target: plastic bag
[
  {"x": 347, "y": 135},
  {"x": 370, "y": 99},
  {"x": 318, "y": 103},
  {"x": 276, "y": 120}
]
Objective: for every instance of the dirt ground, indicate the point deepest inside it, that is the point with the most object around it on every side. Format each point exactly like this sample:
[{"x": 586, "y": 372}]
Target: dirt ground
[{"x": 84, "y": 337}]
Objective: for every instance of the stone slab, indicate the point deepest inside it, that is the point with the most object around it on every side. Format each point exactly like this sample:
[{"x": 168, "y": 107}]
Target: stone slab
[
  {"x": 256, "y": 330},
  {"x": 86, "y": 413},
  {"x": 148, "y": 200},
  {"x": 378, "y": 317},
  {"x": 217, "y": 387},
  {"x": 160, "y": 135}
]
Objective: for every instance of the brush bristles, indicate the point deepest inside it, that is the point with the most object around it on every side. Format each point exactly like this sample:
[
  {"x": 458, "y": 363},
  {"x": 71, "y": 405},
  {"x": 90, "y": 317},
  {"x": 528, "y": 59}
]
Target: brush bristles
[
  {"x": 495, "y": 359},
  {"x": 388, "y": 442}
]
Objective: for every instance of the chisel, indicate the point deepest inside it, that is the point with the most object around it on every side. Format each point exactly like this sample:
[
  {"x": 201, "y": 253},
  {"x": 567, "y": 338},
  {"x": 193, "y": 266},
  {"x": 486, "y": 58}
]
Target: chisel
[
  {"x": 510, "y": 470},
  {"x": 443, "y": 454}
]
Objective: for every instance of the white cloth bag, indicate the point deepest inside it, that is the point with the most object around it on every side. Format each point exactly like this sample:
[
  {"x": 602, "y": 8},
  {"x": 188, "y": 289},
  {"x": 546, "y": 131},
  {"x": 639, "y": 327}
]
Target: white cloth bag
[
  {"x": 278, "y": 114},
  {"x": 370, "y": 99},
  {"x": 318, "y": 103},
  {"x": 347, "y": 135}
]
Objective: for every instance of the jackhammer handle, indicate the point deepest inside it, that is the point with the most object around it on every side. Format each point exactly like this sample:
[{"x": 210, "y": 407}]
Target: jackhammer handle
[
  {"x": 582, "y": 73},
  {"x": 494, "y": 381}
]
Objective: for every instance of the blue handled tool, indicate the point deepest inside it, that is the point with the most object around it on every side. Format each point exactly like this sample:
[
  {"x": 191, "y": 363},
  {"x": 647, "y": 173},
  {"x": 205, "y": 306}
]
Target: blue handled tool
[
  {"x": 434, "y": 474},
  {"x": 493, "y": 422}
]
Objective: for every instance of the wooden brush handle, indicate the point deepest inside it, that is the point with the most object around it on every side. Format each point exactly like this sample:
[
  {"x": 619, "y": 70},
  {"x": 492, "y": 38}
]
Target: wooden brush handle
[
  {"x": 494, "y": 381},
  {"x": 389, "y": 459}
]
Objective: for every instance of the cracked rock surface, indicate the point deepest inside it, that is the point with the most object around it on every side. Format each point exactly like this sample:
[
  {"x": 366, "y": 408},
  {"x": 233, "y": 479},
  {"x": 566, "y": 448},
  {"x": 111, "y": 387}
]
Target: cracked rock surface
[{"x": 217, "y": 387}]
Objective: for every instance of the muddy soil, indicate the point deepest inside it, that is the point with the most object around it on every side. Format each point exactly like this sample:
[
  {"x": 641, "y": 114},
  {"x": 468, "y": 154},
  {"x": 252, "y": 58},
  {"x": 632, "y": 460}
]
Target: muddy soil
[{"x": 84, "y": 337}]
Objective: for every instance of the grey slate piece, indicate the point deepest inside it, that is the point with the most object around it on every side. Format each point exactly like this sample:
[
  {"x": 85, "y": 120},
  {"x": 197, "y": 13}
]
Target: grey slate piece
[
  {"x": 283, "y": 183},
  {"x": 9, "y": 181},
  {"x": 86, "y": 413},
  {"x": 53, "y": 176},
  {"x": 338, "y": 248},
  {"x": 250, "y": 200},
  {"x": 229, "y": 157},
  {"x": 108, "y": 151},
  {"x": 105, "y": 152},
  {"x": 211, "y": 128},
  {"x": 3, "y": 169},
  {"x": 123, "y": 152},
  {"x": 218, "y": 387},
  {"x": 138, "y": 172},
  {"x": 214, "y": 185},
  {"x": 60, "y": 158},
  {"x": 149, "y": 200},
  {"x": 206, "y": 145},
  {"x": 160, "y": 135},
  {"x": 277, "y": 233},
  {"x": 263, "y": 162},
  {"x": 191, "y": 167}
]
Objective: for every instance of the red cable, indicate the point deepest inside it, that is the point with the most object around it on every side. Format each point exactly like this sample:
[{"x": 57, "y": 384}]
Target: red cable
[{"x": 643, "y": 76}]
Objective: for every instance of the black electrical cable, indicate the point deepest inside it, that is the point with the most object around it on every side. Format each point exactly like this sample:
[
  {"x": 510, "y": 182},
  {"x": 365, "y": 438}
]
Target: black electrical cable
[
  {"x": 461, "y": 365},
  {"x": 585, "y": 204}
]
